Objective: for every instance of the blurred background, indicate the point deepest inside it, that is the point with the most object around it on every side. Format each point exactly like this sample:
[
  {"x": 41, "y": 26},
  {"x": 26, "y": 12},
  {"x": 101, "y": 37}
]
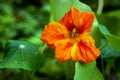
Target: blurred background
[{"x": 25, "y": 19}]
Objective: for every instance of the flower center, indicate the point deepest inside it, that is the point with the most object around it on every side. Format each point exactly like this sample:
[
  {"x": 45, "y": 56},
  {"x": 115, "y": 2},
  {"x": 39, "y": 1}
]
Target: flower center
[{"x": 74, "y": 35}]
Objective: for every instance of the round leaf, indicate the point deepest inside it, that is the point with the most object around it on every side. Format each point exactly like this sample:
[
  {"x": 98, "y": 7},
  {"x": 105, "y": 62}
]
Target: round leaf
[{"x": 21, "y": 54}]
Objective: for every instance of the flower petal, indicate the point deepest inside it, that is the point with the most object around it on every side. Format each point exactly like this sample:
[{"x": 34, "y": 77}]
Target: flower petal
[
  {"x": 67, "y": 20},
  {"x": 80, "y": 20},
  {"x": 87, "y": 21},
  {"x": 63, "y": 50},
  {"x": 76, "y": 54},
  {"x": 87, "y": 48},
  {"x": 53, "y": 32}
]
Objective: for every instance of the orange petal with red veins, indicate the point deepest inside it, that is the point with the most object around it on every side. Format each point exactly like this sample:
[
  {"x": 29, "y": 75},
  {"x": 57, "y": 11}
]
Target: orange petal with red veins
[
  {"x": 53, "y": 32},
  {"x": 76, "y": 54},
  {"x": 80, "y": 20},
  {"x": 77, "y": 18},
  {"x": 63, "y": 50},
  {"x": 88, "y": 50},
  {"x": 87, "y": 21},
  {"x": 67, "y": 20}
]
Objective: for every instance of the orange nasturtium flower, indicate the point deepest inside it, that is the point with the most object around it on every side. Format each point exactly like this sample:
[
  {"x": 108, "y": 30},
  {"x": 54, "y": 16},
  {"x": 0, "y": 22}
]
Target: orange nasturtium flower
[{"x": 70, "y": 37}]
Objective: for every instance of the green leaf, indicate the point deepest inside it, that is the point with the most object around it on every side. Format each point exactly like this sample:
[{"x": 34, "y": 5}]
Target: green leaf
[
  {"x": 115, "y": 13},
  {"x": 51, "y": 67},
  {"x": 69, "y": 69},
  {"x": 112, "y": 39},
  {"x": 47, "y": 51},
  {"x": 111, "y": 23},
  {"x": 109, "y": 52},
  {"x": 96, "y": 34},
  {"x": 87, "y": 72},
  {"x": 21, "y": 54},
  {"x": 103, "y": 29},
  {"x": 60, "y": 7}
]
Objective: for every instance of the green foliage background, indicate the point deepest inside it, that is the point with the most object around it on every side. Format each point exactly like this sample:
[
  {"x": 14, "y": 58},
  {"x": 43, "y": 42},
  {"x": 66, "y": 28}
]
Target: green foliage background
[{"x": 22, "y": 22}]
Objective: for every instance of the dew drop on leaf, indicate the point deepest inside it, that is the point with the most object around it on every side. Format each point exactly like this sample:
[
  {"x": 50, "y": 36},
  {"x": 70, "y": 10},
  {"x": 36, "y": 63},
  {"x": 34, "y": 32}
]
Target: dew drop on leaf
[{"x": 21, "y": 46}]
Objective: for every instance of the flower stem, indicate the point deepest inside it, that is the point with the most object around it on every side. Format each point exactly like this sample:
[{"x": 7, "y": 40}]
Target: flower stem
[
  {"x": 32, "y": 75},
  {"x": 100, "y": 6},
  {"x": 107, "y": 70},
  {"x": 102, "y": 65},
  {"x": 23, "y": 74}
]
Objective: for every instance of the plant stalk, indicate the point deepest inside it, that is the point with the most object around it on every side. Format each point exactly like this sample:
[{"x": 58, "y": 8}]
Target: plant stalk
[{"x": 100, "y": 7}]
